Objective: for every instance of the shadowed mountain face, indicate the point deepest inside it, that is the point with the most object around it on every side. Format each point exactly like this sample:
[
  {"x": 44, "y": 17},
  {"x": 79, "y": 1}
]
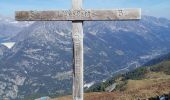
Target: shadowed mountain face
[
  {"x": 3, "y": 50},
  {"x": 40, "y": 63}
]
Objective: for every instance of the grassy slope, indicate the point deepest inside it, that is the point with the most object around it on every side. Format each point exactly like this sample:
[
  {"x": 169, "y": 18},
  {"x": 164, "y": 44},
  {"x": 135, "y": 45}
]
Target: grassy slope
[{"x": 142, "y": 83}]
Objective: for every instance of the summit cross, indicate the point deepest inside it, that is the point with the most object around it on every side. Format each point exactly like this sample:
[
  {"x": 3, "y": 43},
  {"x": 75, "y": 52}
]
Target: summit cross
[{"x": 77, "y": 15}]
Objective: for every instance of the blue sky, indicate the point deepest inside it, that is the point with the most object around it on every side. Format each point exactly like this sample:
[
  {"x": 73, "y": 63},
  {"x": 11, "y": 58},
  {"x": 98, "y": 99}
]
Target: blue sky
[{"x": 158, "y": 8}]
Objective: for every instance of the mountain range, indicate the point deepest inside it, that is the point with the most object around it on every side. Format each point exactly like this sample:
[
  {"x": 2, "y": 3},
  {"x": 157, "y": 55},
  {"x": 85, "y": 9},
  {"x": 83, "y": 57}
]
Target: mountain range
[{"x": 40, "y": 62}]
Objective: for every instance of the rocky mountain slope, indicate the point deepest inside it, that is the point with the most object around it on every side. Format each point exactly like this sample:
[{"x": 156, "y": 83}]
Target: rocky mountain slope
[
  {"x": 40, "y": 63},
  {"x": 3, "y": 49}
]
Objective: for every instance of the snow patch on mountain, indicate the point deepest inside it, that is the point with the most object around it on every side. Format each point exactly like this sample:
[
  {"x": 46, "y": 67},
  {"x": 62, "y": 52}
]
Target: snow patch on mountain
[
  {"x": 8, "y": 44},
  {"x": 87, "y": 85}
]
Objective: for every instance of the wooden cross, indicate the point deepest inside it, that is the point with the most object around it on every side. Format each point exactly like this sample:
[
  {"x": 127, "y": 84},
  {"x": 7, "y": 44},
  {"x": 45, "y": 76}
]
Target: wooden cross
[{"x": 77, "y": 15}]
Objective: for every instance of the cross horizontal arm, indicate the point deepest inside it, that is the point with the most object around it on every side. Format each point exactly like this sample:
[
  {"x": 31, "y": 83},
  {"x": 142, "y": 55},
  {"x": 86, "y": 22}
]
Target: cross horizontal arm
[{"x": 79, "y": 15}]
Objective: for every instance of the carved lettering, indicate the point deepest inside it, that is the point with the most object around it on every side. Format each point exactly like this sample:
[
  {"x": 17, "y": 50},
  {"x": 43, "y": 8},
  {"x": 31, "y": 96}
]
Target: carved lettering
[
  {"x": 87, "y": 13},
  {"x": 77, "y": 55},
  {"x": 74, "y": 13},
  {"x": 120, "y": 12}
]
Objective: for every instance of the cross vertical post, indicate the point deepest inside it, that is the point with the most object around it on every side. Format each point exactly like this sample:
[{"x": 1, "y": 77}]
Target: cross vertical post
[{"x": 77, "y": 36}]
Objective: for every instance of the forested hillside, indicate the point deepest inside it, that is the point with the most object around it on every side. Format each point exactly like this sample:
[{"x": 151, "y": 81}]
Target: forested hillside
[
  {"x": 146, "y": 82},
  {"x": 138, "y": 74}
]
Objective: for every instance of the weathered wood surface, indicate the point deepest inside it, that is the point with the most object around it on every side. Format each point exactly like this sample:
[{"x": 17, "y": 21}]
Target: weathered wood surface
[
  {"x": 77, "y": 35},
  {"x": 79, "y": 15}
]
